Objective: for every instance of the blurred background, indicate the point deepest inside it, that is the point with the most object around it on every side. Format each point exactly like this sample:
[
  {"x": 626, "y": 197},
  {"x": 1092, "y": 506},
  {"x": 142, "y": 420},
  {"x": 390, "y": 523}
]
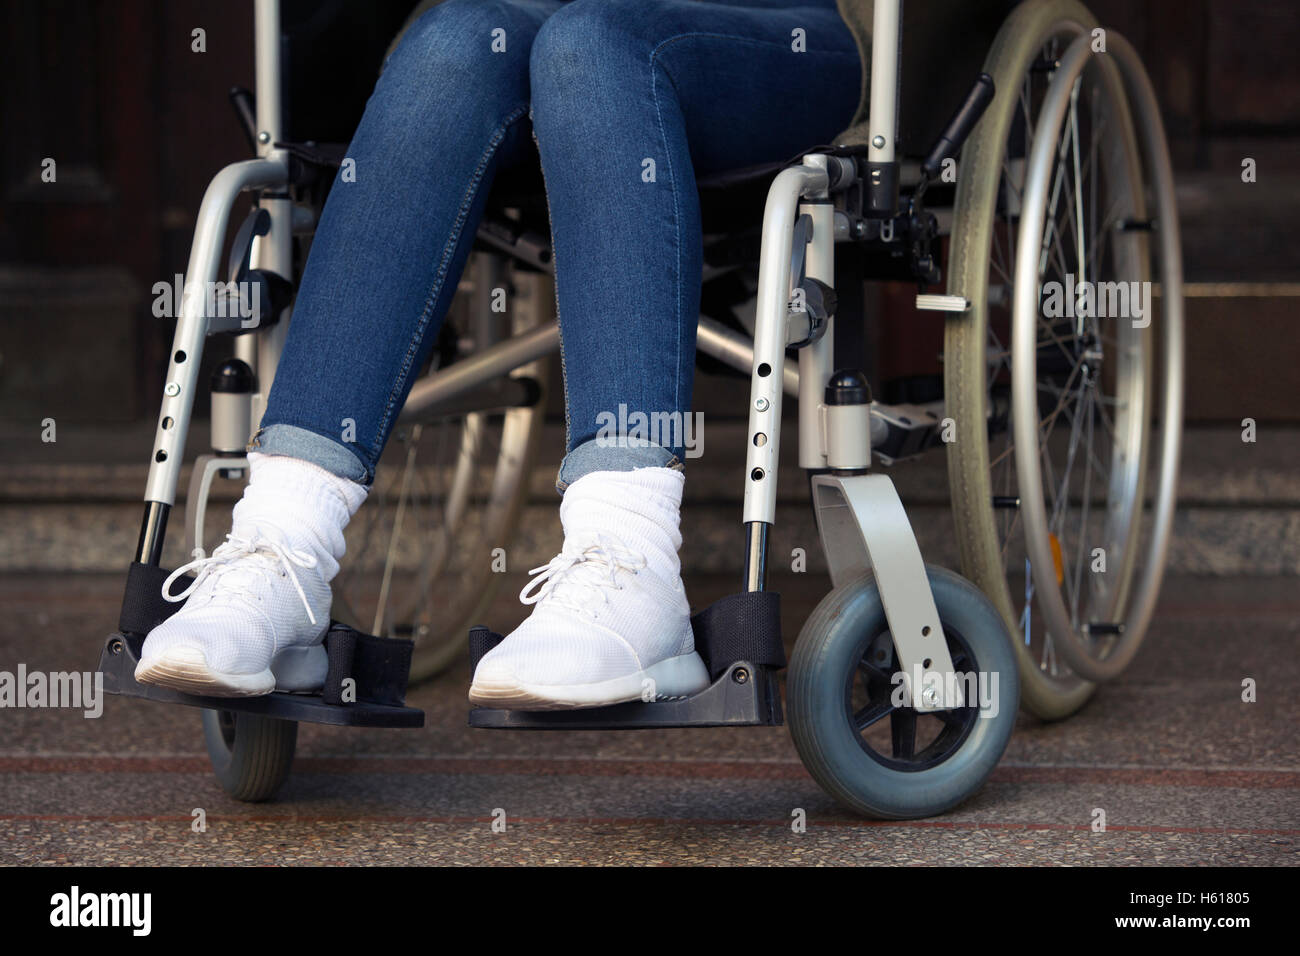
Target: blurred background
[{"x": 139, "y": 123}]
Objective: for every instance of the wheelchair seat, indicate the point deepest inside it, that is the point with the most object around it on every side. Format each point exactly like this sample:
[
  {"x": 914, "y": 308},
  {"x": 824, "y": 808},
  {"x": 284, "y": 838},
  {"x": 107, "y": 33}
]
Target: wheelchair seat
[{"x": 728, "y": 200}]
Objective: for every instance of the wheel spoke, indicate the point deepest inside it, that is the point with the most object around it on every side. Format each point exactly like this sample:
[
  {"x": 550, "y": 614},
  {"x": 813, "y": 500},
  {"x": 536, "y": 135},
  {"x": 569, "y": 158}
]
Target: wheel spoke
[
  {"x": 874, "y": 672},
  {"x": 1004, "y": 455},
  {"x": 391, "y": 555},
  {"x": 953, "y": 718},
  {"x": 902, "y": 731},
  {"x": 1050, "y": 421},
  {"x": 1085, "y": 507},
  {"x": 1109, "y": 223},
  {"x": 1007, "y": 538},
  {"x": 872, "y": 714}
]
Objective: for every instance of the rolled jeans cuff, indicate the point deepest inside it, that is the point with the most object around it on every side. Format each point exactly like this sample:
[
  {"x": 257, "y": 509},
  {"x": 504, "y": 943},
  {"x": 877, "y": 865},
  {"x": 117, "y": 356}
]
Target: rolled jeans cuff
[
  {"x": 329, "y": 453},
  {"x": 613, "y": 454}
]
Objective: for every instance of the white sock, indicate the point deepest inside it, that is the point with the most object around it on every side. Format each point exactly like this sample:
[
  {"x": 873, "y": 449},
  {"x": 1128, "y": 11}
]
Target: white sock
[
  {"x": 299, "y": 503},
  {"x": 642, "y": 508},
  {"x": 603, "y": 624}
]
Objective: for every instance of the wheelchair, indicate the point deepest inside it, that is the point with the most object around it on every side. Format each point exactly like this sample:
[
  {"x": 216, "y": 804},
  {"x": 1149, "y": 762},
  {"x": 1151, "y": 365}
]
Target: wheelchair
[{"x": 906, "y": 679}]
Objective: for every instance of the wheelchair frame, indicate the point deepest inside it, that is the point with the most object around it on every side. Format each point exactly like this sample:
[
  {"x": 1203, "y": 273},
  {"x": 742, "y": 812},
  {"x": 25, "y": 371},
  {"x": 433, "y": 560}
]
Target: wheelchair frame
[{"x": 861, "y": 521}]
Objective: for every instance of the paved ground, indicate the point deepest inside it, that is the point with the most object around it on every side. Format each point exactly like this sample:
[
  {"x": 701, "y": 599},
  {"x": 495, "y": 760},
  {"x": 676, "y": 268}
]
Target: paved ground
[{"x": 1187, "y": 773}]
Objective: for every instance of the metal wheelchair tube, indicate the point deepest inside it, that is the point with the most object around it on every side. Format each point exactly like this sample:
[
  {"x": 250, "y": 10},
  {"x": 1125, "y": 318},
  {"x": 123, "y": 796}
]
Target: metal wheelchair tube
[
  {"x": 266, "y": 53},
  {"x": 442, "y": 387},
  {"x": 192, "y": 326},
  {"x": 478, "y": 369},
  {"x": 774, "y": 286},
  {"x": 148, "y": 549},
  {"x": 756, "y": 556},
  {"x": 816, "y": 361},
  {"x": 883, "y": 122},
  {"x": 271, "y": 169},
  {"x": 715, "y": 339}
]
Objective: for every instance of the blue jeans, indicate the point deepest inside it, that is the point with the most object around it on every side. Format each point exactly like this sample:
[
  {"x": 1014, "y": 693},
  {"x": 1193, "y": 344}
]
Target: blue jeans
[{"x": 626, "y": 100}]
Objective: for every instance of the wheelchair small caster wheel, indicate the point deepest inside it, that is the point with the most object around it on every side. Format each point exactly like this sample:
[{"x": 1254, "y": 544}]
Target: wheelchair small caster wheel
[
  {"x": 860, "y": 744},
  {"x": 251, "y": 755}
]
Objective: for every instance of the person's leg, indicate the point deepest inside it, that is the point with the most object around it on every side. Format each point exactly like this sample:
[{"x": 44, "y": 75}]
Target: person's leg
[
  {"x": 449, "y": 108},
  {"x": 630, "y": 101}
]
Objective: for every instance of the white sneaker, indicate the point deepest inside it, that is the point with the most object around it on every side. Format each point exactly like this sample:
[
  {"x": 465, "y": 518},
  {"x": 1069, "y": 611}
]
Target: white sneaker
[
  {"x": 254, "y": 621},
  {"x": 258, "y": 611},
  {"x": 611, "y": 622}
]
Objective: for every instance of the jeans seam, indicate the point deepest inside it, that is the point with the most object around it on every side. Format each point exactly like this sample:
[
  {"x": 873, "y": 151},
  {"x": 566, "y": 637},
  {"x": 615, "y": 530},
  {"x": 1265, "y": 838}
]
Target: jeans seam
[
  {"x": 555, "y": 275},
  {"x": 440, "y": 276},
  {"x": 677, "y": 221}
]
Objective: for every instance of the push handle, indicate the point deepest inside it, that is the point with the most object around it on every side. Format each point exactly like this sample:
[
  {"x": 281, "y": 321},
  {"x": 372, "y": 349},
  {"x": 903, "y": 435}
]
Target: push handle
[
  {"x": 959, "y": 127},
  {"x": 246, "y": 112}
]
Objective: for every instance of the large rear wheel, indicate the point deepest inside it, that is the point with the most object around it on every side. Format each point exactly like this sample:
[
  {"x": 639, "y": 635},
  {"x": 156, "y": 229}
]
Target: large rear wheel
[{"x": 1085, "y": 426}]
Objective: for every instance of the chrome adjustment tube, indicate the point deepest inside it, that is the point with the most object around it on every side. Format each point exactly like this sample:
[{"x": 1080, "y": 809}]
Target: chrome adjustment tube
[
  {"x": 799, "y": 196},
  {"x": 270, "y": 171}
]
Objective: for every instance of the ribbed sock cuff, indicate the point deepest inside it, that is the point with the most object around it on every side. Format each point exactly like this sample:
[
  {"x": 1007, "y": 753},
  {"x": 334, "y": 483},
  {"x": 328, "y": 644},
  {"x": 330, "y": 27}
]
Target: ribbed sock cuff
[
  {"x": 291, "y": 496},
  {"x": 641, "y": 507}
]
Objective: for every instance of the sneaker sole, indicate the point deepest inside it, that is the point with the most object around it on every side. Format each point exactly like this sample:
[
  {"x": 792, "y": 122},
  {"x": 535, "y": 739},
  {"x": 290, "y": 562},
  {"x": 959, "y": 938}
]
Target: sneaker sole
[
  {"x": 673, "y": 678},
  {"x": 186, "y": 670}
]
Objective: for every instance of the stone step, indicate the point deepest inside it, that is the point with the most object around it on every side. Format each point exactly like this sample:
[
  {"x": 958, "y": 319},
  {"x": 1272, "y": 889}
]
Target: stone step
[
  {"x": 101, "y": 536},
  {"x": 107, "y": 464},
  {"x": 74, "y": 504}
]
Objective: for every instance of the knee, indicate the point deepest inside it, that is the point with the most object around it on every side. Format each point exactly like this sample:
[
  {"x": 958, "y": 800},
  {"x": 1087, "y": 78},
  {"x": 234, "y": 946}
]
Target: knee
[
  {"x": 463, "y": 42},
  {"x": 587, "y": 42}
]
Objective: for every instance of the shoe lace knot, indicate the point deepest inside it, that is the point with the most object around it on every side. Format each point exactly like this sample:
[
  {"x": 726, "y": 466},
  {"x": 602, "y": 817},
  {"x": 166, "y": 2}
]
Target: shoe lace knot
[
  {"x": 586, "y": 568},
  {"x": 258, "y": 554}
]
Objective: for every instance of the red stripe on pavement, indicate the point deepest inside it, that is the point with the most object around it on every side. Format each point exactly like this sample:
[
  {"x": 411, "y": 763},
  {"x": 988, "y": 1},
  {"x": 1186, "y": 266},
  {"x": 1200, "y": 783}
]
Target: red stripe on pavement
[
  {"x": 705, "y": 770},
  {"x": 627, "y": 822}
]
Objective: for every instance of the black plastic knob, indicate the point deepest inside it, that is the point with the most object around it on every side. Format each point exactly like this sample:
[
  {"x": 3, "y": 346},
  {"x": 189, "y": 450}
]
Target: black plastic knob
[
  {"x": 848, "y": 386},
  {"x": 234, "y": 376}
]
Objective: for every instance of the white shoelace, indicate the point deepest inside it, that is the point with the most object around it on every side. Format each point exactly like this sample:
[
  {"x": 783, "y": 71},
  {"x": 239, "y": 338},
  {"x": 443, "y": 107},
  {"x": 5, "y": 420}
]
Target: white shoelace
[
  {"x": 258, "y": 553},
  {"x": 581, "y": 571}
]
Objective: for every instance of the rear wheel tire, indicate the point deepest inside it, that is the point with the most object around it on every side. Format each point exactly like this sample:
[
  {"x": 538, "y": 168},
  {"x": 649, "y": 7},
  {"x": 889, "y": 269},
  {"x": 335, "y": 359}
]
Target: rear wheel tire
[{"x": 981, "y": 467}]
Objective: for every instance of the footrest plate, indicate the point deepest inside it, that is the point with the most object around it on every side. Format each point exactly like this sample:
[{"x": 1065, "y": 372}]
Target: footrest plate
[
  {"x": 745, "y": 695},
  {"x": 122, "y": 652},
  {"x": 738, "y": 638}
]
